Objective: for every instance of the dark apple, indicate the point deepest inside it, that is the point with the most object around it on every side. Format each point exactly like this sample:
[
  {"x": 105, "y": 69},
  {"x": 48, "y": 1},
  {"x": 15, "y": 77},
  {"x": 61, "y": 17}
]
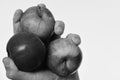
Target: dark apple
[{"x": 27, "y": 51}]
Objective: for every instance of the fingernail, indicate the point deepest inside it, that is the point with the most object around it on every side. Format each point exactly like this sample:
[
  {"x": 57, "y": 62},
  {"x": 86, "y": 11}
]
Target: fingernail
[
  {"x": 6, "y": 62},
  {"x": 42, "y": 5}
]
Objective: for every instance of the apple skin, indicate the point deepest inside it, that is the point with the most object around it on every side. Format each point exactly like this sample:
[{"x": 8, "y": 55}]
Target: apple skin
[
  {"x": 38, "y": 20},
  {"x": 27, "y": 51},
  {"x": 64, "y": 57}
]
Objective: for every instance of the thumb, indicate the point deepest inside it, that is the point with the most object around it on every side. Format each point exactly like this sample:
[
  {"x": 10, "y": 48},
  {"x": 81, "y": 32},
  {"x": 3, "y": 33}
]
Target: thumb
[
  {"x": 12, "y": 71},
  {"x": 10, "y": 67}
]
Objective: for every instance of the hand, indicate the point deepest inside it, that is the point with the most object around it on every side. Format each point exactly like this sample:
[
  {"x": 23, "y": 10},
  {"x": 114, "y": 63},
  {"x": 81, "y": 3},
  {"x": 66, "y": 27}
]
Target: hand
[{"x": 12, "y": 71}]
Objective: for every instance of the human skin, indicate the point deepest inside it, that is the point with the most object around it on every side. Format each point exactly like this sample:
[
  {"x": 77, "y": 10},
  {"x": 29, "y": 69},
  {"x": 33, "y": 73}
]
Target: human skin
[
  {"x": 64, "y": 57},
  {"x": 12, "y": 71},
  {"x": 36, "y": 19}
]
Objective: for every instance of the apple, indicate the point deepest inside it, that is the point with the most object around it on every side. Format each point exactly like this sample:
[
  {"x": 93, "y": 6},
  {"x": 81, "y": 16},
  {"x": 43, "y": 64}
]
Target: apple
[
  {"x": 64, "y": 57},
  {"x": 36, "y": 19},
  {"x": 27, "y": 51}
]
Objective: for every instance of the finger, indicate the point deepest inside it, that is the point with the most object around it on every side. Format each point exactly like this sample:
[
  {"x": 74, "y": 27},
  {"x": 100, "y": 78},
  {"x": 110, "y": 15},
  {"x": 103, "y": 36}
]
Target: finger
[
  {"x": 77, "y": 76},
  {"x": 22, "y": 76},
  {"x": 74, "y": 76},
  {"x": 12, "y": 71},
  {"x": 42, "y": 75},
  {"x": 42, "y": 5},
  {"x": 75, "y": 38},
  {"x": 10, "y": 67},
  {"x": 17, "y": 15},
  {"x": 45, "y": 75},
  {"x": 54, "y": 37},
  {"x": 58, "y": 30},
  {"x": 16, "y": 20},
  {"x": 16, "y": 28},
  {"x": 59, "y": 27}
]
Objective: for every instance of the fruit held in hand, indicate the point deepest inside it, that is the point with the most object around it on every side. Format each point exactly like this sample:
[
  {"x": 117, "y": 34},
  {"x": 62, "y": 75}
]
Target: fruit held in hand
[
  {"x": 64, "y": 56},
  {"x": 27, "y": 51},
  {"x": 38, "y": 20}
]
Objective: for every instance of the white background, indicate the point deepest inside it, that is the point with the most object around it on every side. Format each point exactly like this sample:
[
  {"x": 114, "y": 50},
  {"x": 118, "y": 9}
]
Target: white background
[{"x": 96, "y": 21}]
